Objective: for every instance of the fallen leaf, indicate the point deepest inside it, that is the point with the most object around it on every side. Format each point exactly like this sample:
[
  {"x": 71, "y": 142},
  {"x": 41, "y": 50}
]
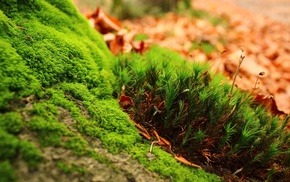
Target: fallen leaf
[
  {"x": 116, "y": 45},
  {"x": 269, "y": 103},
  {"x": 125, "y": 102},
  {"x": 103, "y": 22}
]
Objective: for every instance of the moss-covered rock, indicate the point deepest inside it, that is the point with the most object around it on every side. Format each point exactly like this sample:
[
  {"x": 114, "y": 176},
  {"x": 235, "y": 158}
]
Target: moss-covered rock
[
  {"x": 44, "y": 44},
  {"x": 56, "y": 102}
]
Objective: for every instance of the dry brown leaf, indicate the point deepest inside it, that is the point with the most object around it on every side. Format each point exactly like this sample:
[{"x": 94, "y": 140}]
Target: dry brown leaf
[
  {"x": 103, "y": 22},
  {"x": 269, "y": 103},
  {"x": 125, "y": 102}
]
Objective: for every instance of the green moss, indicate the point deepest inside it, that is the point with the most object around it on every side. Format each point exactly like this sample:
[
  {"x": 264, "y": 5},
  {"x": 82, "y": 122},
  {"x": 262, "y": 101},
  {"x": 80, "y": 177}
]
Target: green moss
[
  {"x": 44, "y": 120},
  {"x": 11, "y": 122},
  {"x": 16, "y": 81},
  {"x": 108, "y": 122},
  {"x": 77, "y": 144},
  {"x": 39, "y": 37},
  {"x": 44, "y": 43},
  {"x": 70, "y": 168},
  {"x": 8, "y": 144},
  {"x": 30, "y": 154},
  {"x": 6, "y": 172},
  {"x": 111, "y": 125}
]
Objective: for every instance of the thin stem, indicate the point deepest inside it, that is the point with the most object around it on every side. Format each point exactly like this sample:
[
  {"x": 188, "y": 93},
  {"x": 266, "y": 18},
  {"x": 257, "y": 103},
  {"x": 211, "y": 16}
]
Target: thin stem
[{"x": 242, "y": 57}]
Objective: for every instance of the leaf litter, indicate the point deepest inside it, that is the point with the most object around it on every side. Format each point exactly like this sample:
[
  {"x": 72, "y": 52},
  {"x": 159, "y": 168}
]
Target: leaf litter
[{"x": 265, "y": 44}]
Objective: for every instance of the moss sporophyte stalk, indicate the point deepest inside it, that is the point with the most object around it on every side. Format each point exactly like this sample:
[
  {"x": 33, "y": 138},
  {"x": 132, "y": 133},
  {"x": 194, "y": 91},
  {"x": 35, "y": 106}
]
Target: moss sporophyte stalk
[{"x": 59, "y": 93}]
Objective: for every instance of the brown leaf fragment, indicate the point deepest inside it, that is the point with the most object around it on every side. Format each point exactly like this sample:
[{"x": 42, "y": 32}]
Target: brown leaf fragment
[
  {"x": 139, "y": 47},
  {"x": 125, "y": 102},
  {"x": 269, "y": 103},
  {"x": 103, "y": 22},
  {"x": 116, "y": 46}
]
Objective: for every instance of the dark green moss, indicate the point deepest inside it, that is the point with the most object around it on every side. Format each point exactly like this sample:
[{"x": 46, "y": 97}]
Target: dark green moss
[
  {"x": 6, "y": 172},
  {"x": 197, "y": 112}
]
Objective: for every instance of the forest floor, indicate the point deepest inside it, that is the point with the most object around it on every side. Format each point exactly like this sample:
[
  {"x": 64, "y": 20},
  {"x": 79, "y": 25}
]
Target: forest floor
[
  {"x": 230, "y": 28},
  {"x": 266, "y": 37}
]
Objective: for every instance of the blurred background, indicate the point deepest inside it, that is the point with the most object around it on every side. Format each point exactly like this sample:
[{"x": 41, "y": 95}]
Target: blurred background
[
  {"x": 213, "y": 31},
  {"x": 127, "y": 9},
  {"x": 122, "y": 9}
]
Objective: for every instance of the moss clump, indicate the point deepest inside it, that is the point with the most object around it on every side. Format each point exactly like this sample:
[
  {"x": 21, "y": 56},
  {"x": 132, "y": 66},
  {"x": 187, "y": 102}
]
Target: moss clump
[
  {"x": 11, "y": 122},
  {"x": 6, "y": 171},
  {"x": 17, "y": 80},
  {"x": 38, "y": 38},
  {"x": 77, "y": 144},
  {"x": 30, "y": 154},
  {"x": 195, "y": 111},
  {"x": 9, "y": 143}
]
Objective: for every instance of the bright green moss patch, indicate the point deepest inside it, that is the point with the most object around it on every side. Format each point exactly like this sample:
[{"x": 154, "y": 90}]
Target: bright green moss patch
[
  {"x": 106, "y": 122},
  {"x": 77, "y": 144},
  {"x": 43, "y": 43},
  {"x": 16, "y": 81},
  {"x": 44, "y": 122},
  {"x": 39, "y": 37}
]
